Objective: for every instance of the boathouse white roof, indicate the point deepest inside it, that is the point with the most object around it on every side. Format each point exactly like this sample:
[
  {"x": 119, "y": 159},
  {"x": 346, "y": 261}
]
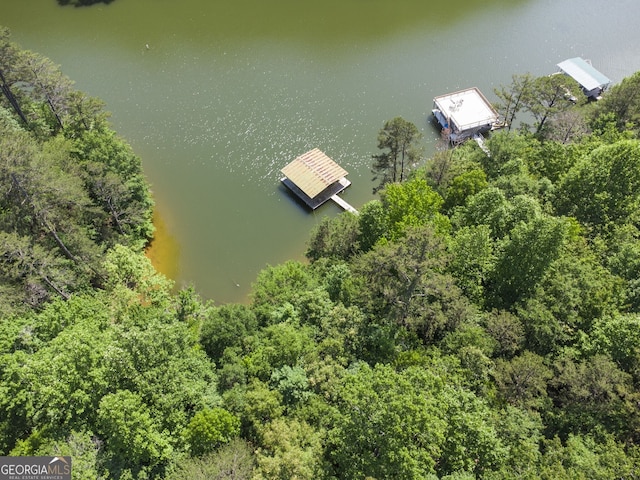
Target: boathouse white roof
[
  {"x": 466, "y": 109},
  {"x": 584, "y": 73},
  {"x": 313, "y": 172}
]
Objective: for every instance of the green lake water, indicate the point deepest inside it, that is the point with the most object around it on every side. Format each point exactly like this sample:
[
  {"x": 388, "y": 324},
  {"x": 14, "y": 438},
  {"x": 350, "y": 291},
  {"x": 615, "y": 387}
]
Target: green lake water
[{"x": 217, "y": 96}]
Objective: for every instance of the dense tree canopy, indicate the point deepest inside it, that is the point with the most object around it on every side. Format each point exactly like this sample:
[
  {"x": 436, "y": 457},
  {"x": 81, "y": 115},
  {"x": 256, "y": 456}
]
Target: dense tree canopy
[
  {"x": 480, "y": 319},
  {"x": 71, "y": 189}
]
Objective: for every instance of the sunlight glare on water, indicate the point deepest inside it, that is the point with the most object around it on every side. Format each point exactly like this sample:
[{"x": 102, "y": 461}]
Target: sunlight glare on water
[{"x": 216, "y": 97}]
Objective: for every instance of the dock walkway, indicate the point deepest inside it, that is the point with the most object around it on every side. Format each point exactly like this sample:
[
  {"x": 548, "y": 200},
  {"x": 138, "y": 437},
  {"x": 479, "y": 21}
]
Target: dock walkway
[
  {"x": 340, "y": 201},
  {"x": 480, "y": 141},
  {"x": 344, "y": 205}
]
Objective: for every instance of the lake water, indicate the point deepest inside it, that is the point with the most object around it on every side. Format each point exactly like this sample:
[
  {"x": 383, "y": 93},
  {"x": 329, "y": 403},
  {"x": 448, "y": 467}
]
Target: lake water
[{"x": 217, "y": 96}]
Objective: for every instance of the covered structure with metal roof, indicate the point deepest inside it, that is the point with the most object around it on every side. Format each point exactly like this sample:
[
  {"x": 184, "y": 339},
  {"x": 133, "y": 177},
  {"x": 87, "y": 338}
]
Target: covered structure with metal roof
[
  {"x": 592, "y": 81},
  {"x": 464, "y": 113},
  {"x": 315, "y": 178}
]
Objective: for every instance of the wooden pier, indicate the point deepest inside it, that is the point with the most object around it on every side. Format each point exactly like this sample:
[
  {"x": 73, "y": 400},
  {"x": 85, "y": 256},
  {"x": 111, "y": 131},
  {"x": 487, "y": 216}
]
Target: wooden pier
[{"x": 342, "y": 203}]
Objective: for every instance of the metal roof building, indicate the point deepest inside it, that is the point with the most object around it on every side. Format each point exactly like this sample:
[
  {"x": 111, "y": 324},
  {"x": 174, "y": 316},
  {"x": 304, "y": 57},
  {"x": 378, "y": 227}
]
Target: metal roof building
[
  {"x": 593, "y": 82},
  {"x": 464, "y": 113},
  {"x": 315, "y": 178}
]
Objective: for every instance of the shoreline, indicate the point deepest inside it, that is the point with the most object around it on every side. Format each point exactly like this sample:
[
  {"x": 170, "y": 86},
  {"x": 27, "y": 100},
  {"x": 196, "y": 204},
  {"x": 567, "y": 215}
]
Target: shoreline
[{"x": 163, "y": 251}]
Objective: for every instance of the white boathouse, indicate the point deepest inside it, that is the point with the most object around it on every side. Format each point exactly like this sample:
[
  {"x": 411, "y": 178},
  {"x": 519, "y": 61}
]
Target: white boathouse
[
  {"x": 464, "y": 114},
  {"x": 592, "y": 81}
]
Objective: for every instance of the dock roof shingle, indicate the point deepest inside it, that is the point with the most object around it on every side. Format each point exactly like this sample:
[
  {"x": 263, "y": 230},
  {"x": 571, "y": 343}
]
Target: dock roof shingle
[{"x": 313, "y": 172}]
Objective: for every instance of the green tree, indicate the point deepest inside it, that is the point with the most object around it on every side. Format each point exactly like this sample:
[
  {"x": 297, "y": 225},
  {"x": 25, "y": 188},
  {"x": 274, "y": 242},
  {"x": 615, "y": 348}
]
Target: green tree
[
  {"x": 290, "y": 448},
  {"x": 292, "y": 383},
  {"x": 516, "y": 180},
  {"x": 390, "y": 428},
  {"x": 226, "y": 326},
  {"x": 9, "y": 52},
  {"x": 58, "y": 212},
  {"x": 85, "y": 113},
  {"x": 338, "y": 282},
  {"x": 372, "y": 222},
  {"x": 522, "y": 381},
  {"x": 440, "y": 168},
  {"x": 488, "y": 207},
  {"x": 46, "y": 203},
  {"x": 507, "y": 330},
  {"x": 619, "y": 337},
  {"x": 622, "y": 258},
  {"x": 131, "y": 276},
  {"x": 472, "y": 260},
  {"x": 80, "y": 350},
  {"x": 513, "y": 98},
  {"x": 544, "y": 333},
  {"x": 113, "y": 176},
  {"x": 210, "y": 428},
  {"x": 473, "y": 347},
  {"x": 464, "y": 186},
  {"x": 67, "y": 380},
  {"x": 597, "y": 457},
  {"x": 604, "y": 187},
  {"x": 623, "y": 101},
  {"x": 552, "y": 95},
  {"x": 471, "y": 444},
  {"x": 403, "y": 283},
  {"x": 49, "y": 86},
  {"x": 80, "y": 446},
  {"x": 280, "y": 344},
  {"x": 335, "y": 238},
  {"x": 32, "y": 272},
  {"x": 232, "y": 461},
  {"x": 410, "y": 424},
  {"x": 412, "y": 204},
  {"x": 592, "y": 395},
  {"x": 159, "y": 359},
  {"x": 41, "y": 96},
  {"x": 399, "y": 141},
  {"x": 543, "y": 97},
  {"x": 256, "y": 405},
  {"x": 521, "y": 432},
  {"x": 577, "y": 290},
  {"x": 525, "y": 257},
  {"x": 278, "y": 285},
  {"x": 504, "y": 148},
  {"x": 131, "y": 435}
]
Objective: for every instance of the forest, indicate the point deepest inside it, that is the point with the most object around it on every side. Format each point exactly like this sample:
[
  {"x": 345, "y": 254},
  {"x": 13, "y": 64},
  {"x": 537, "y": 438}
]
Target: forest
[{"x": 479, "y": 319}]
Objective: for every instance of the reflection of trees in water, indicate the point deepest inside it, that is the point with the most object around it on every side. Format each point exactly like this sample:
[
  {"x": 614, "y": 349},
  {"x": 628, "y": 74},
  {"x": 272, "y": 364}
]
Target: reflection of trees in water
[{"x": 82, "y": 3}]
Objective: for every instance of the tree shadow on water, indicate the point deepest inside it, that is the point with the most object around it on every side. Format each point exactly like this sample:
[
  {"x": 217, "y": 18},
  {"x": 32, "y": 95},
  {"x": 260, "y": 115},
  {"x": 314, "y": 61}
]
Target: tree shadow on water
[{"x": 82, "y": 3}]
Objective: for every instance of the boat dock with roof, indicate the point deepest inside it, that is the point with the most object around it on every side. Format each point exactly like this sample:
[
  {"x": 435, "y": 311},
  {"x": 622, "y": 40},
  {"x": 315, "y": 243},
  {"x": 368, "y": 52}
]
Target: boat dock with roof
[
  {"x": 464, "y": 114},
  {"x": 593, "y": 82},
  {"x": 315, "y": 179}
]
